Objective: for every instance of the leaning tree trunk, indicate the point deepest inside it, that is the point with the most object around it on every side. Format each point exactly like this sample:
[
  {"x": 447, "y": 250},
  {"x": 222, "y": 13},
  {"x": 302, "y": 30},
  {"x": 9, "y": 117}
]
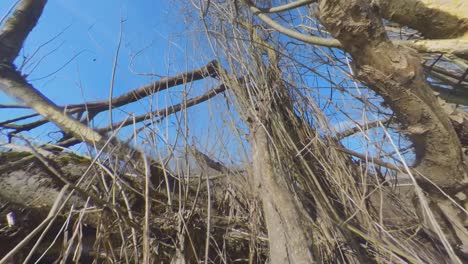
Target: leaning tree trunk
[
  {"x": 289, "y": 238},
  {"x": 397, "y": 75},
  {"x": 282, "y": 174}
]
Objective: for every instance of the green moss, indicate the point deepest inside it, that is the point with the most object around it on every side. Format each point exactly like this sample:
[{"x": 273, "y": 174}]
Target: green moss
[
  {"x": 72, "y": 158},
  {"x": 12, "y": 156},
  {"x": 61, "y": 159}
]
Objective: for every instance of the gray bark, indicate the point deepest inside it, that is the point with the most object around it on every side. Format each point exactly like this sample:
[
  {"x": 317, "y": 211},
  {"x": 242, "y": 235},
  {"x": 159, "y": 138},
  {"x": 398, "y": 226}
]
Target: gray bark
[
  {"x": 397, "y": 75},
  {"x": 289, "y": 239}
]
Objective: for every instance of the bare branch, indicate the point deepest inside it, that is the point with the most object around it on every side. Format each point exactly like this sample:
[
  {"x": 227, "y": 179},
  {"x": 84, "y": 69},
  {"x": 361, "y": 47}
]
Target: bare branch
[
  {"x": 327, "y": 42},
  {"x": 287, "y": 7},
  {"x": 13, "y": 106},
  {"x": 14, "y": 84},
  {"x": 357, "y": 129},
  {"x": 18, "y": 27},
  {"x": 374, "y": 160},
  {"x": 95, "y": 107},
  {"x": 435, "y": 19},
  {"x": 210, "y": 70},
  {"x": 169, "y": 110},
  {"x": 162, "y": 113},
  {"x": 7, "y": 122},
  {"x": 450, "y": 46}
]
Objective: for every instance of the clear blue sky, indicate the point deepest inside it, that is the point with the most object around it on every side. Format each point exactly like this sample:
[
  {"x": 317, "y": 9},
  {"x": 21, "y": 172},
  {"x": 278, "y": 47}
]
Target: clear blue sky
[
  {"x": 78, "y": 40},
  {"x": 90, "y": 36}
]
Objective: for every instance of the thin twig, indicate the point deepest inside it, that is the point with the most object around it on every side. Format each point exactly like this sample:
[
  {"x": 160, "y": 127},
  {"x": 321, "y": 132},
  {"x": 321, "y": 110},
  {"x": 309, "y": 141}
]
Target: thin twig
[{"x": 146, "y": 235}]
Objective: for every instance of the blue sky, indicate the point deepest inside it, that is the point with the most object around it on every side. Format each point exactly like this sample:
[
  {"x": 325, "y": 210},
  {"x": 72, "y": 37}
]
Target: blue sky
[
  {"x": 89, "y": 39},
  {"x": 78, "y": 40}
]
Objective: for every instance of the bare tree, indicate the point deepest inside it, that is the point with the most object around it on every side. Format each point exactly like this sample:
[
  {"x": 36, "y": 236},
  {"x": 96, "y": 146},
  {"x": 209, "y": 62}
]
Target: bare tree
[
  {"x": 271, "y": 101},
  {"x": 106, "y": 195},
  {"x": 296, "y": 73}
]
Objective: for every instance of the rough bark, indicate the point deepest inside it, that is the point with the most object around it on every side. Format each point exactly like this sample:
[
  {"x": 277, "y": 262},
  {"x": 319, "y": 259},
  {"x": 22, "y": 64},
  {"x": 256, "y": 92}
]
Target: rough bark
[
  {"x": 289, "y": 240},
  {"x": 447, "y": 18},
  {"x": 32, "y": 186},
  {"x": 395, "y": 73},
  {"x": 33, "y": 181},
  {"x": 18, "y": 27}
]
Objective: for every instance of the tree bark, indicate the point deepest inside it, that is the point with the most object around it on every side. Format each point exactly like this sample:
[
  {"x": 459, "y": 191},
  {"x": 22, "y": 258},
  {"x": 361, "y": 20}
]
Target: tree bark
[
  {"x": 289, "y": 240},
  {"x": 24, "y": 181},
  {"x": 395, "y": 73},
  {"x": 17, "y": 28},
  {"x": 435, "y": 19}
]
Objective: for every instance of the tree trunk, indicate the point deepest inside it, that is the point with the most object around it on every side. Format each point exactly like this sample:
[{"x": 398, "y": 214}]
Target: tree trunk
[
  {"x": 289, "y": 240},
  {"x": 25, "y": 181},
  {"x": 397, "y": 75}
]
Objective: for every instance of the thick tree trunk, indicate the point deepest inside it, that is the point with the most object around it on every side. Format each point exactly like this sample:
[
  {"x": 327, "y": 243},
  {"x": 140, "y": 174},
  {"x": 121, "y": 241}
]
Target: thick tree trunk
[
  {"x": 397, "y": 75},
  {"x": 289, "y": 240},
  {"x": 27, "y": 183}
]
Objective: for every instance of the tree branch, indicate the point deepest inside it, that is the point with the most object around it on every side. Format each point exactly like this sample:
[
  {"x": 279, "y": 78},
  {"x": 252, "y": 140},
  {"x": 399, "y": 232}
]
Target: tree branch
[
  {"x": 374, "y": 160},
  {"x": 18, "y": 27},
  {"x": 12, "y": 83},
  {"x": 287, "y": 7},
  {"x": 162, "y": 113},
  {"x": 169, "y": 110},
  {"x": 210, "y": 70},
  {"x": 357, "y": 129},
  {"x": 450, "y": 46},
  {"x": 396, "y": 74}
]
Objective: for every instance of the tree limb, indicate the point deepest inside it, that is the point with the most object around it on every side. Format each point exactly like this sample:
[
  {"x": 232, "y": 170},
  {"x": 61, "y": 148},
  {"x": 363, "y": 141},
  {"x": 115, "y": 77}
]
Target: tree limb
[
  {"x": 357, "y": 129},
  {"x": 17, "y": 28},
  {"x": 287, "y": 7},
  {"x": 210, "y": 70},
  {"x": 12, "y": 83},
  {"x": 450, "y": 46}
]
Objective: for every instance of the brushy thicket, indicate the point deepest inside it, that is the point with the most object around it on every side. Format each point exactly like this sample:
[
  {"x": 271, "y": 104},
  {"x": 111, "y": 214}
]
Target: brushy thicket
[{"x": 183, "y": 205}]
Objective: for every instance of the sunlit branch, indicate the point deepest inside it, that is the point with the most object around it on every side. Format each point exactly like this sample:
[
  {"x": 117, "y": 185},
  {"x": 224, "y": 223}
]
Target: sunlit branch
[
  {"x": 357, "y": 129},
  {"x": 13, "y": 106},
  {"x": 450, "y": 46},
  {"x": 327, "y": 42},
  {"x": 12, "y": 36},
  {"x": 374, "y": 160},
  {"x": 210, "y": 70},
  {"x": 160, "y": 114},
  {"x": 169, "y": 110},
  {"x": 14, "y": 84},
  {"x": 17, "y": 28},
  {"x": 95, "y": 107},
  {"x": 287, "y": 7}
]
